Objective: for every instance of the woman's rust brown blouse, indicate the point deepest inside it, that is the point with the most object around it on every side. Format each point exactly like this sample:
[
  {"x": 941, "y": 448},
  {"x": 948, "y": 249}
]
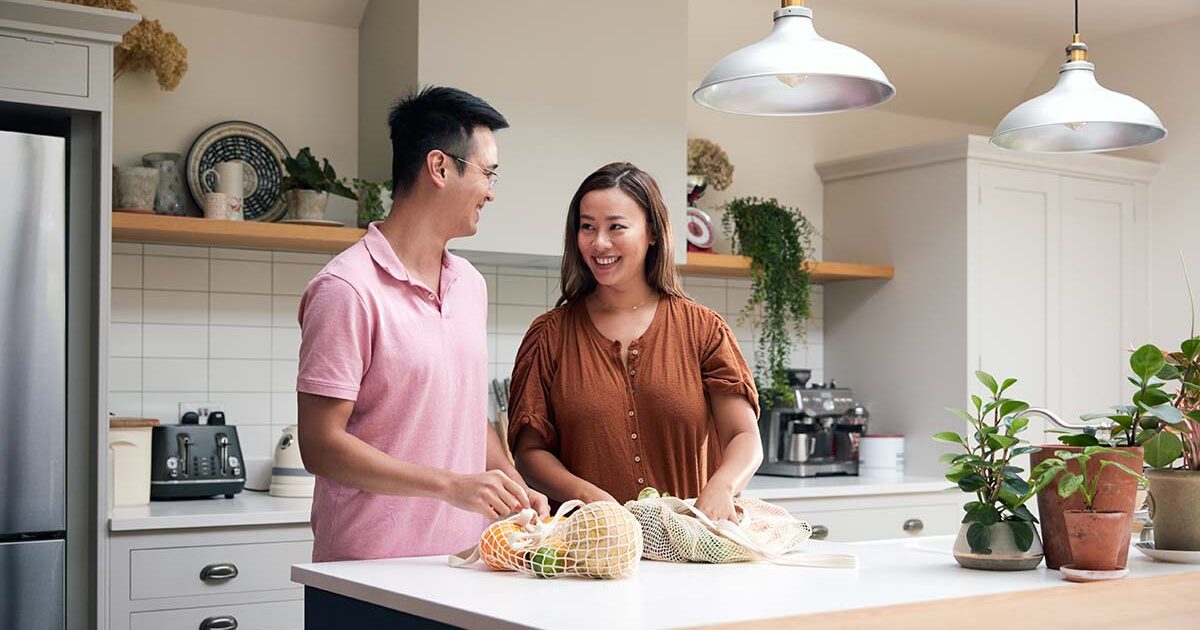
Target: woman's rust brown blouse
[{"x": 626, "y": 427}]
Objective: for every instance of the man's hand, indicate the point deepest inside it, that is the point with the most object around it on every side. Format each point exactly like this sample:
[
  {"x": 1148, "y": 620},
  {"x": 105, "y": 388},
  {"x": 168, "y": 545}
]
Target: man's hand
[
  {"x": 717, "y": 503},
  {"x": 492, "y": 494}
]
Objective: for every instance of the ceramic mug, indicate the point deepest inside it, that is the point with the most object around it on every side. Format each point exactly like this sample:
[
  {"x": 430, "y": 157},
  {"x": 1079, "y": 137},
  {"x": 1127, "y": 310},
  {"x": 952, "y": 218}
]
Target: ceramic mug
[
  {"x": 881, "y": 452},
  {"x": 227, "y": 179},
  {"x": 221, "y": 207}
]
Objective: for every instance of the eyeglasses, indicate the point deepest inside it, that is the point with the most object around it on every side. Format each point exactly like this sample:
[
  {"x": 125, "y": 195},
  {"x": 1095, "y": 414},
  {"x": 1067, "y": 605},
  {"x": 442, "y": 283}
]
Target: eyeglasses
[{"x": 491, "y": 175}]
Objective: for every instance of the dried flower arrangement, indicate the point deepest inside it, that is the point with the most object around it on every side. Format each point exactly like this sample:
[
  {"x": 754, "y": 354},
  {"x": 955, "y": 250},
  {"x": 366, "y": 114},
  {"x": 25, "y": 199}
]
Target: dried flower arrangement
[
  {"x": 707, "y": 158},
  {"x": 146, "y": 47}
]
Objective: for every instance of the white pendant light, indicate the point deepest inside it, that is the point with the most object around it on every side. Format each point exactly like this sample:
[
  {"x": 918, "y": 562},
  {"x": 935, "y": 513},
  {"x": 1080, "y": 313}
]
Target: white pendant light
[
  {"x": 1078, "y": 115},
  {"x": 793, "y": 72}
]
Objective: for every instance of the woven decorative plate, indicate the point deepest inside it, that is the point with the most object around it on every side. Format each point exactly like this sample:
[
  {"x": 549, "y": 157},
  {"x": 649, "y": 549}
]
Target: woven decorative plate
[{"x": 261, "y": 155}]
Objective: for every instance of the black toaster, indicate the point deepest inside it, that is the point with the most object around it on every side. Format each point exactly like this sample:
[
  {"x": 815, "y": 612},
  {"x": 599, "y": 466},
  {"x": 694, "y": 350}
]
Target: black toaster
[{"x": 195, "y": 460}]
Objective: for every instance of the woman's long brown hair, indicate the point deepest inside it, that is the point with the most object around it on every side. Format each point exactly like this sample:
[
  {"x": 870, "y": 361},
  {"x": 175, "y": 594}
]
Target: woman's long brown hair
[{"x": 577, "y": 280}]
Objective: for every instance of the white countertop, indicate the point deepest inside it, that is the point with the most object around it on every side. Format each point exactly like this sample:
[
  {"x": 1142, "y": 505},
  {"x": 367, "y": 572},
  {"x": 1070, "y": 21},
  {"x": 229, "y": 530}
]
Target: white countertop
[
  {"x": 245, "y": 508},
  {"x": 665, "y": 595},
  {"x": 259, "y": 508},
  {"x": 770, "y": 488}
]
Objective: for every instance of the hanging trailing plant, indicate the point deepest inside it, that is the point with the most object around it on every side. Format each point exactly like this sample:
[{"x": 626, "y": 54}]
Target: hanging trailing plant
[{"x": 778, "y": 241}]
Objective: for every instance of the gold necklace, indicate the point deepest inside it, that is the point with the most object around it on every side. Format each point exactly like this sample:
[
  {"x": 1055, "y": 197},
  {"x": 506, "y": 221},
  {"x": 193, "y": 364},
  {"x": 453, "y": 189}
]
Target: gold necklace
[{"x": 639, "y": 304}]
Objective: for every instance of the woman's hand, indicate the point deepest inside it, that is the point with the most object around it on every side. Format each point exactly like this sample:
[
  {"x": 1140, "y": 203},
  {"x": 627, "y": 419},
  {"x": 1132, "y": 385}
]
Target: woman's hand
[
  {"x": 593, "y": 495},
  {"x": 717, "y": 503}
]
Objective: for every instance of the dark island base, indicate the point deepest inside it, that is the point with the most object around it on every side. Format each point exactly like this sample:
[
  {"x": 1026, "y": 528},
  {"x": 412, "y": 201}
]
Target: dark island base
[{"x": 329, "y": 611}]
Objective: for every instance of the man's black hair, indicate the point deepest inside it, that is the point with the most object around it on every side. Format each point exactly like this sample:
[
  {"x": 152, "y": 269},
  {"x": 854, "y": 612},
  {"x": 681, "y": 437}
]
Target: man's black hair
[{"x": 442, "y": 118}]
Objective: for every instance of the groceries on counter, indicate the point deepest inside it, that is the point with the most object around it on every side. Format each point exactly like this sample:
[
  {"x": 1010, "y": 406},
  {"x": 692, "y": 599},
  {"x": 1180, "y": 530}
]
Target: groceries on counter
[{"x": 597, "y": 540}]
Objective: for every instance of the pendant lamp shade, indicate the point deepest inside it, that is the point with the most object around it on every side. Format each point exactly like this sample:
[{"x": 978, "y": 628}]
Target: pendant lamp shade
[
  {"x": 1078, "y": 116},
  {"x": 793, "y": 72}
]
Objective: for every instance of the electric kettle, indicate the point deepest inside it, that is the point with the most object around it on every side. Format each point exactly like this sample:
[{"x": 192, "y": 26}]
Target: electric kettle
[{"x": 288, "y": 476}]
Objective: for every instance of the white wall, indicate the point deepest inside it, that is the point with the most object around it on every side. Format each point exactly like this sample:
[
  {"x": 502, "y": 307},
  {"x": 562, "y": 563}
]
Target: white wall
[
  {"x": 297, "y": 79},
  {"x": 387, "y": 62}
]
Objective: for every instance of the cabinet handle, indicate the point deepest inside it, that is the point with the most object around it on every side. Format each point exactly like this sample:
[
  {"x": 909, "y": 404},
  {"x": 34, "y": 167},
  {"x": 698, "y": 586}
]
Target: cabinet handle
[
  {"x": 913, "y": 526},
  {"x": 220, "y": 622},
  {"x": 219, "y": 573},
  {"x": 819, "y": 532}
]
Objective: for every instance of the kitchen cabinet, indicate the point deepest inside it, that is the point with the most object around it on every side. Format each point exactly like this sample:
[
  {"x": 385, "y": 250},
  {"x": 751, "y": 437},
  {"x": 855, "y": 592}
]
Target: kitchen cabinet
[
  {"x": 1026, "y": 266},
  {"x": 212, "y": 577},
  {"x": 855, "y": 519}
]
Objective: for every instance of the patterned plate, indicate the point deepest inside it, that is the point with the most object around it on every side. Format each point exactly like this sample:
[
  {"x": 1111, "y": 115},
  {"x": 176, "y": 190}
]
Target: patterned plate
[{"x": 261, "y": 155}]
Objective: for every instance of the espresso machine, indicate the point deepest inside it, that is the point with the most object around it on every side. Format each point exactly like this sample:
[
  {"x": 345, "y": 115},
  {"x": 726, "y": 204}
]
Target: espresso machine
[{"x": 819, "y": 436}]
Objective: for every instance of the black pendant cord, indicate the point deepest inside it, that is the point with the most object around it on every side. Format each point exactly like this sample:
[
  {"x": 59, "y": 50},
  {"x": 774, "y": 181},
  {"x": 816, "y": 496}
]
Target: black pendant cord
[{"x": 1076, "y": 17}]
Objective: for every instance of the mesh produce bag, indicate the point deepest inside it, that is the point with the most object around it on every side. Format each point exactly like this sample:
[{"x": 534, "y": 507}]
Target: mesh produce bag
[
  {"x": 675, "y": 531},
  {"x": 599, "y": 540}
]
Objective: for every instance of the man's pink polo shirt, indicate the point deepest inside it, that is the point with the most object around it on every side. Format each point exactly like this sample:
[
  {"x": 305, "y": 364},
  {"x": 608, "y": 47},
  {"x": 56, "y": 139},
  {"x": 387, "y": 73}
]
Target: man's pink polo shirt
[{"x": 415, "y": 365}]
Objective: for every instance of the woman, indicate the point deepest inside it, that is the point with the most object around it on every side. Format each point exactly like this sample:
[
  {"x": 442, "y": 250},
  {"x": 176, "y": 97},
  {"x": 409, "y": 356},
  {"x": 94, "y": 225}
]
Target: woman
[{"x": 627, "y": 383}]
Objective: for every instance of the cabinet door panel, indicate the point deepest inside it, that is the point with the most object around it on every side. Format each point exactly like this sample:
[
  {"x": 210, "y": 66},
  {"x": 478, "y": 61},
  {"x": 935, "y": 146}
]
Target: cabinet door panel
[
  {"x": 1017, "y": 223},
  {"x": 1099, "y": 240}
]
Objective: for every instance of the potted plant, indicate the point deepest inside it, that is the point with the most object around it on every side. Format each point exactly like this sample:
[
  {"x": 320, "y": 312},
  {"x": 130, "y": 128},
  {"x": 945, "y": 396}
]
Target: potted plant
[
  {"x": 374, "y": 200},
  {"x": 778, "y": 241},
  {"x": 308, "y": 184},
  {"x": 145, "y": 47},
  {"x": 1097, "y": 537},
  {"x": 997, "y": 530}
]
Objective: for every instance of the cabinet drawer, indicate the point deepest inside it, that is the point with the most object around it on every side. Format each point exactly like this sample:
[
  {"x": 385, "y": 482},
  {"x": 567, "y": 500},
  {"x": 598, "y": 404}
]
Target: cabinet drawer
[
  {"x": 884, "y": 522},
  {"x": 41, "y": 65},
  {"x": 173, "y": 572},
  {"x": 287, "y": 615}
]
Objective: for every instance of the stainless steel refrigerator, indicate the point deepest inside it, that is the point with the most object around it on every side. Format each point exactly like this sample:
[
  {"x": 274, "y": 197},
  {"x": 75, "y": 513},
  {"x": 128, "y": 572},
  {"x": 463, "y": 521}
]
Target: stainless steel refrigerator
[{"x": 33, "y": 387}]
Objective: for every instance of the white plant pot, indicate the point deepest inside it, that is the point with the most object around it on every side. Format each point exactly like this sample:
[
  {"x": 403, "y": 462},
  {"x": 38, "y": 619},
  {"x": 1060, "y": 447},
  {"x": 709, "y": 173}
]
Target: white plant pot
[{"x": 306, "y": 205}]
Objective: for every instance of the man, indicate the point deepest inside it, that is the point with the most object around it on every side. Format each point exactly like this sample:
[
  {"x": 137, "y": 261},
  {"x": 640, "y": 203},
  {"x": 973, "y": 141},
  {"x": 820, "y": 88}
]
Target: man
[{"x": 393, "y": 359}]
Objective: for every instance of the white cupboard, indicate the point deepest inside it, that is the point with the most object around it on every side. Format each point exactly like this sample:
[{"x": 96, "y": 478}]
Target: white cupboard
[{"x": 1026, "y": 266}]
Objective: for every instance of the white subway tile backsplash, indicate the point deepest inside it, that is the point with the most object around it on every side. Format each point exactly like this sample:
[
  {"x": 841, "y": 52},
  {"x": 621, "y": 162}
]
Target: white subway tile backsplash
[
  {"x": 164, "y": 406},
  {"x": 506, "y": 348},
  {"x": 553, "y": 291},
  {"x": 532, "y": 272},
  {"x": 125, "y": 404},
  {"x": 174, "y": 307},
  {"x": 175, "y": 274},
  {"x": 736, "y": 299},
  {"x": 515, "y": 320},
  {"x": 712, "y": 297},
  {"x": 703, "y": 281},
  {"x": 174, "y": 375},
  {"x": 239, "y": 309},
  {"x": 179, "y": 251},
  {"x": 283, "y": 408},
  {"x": 120, "y": 247},
  {"x": 239, "y": 342},
  {"x": 125, "y": 340},
  {"x": 285, "y": 343},
  {"x": 301, "y": 257},
  {"x": 124, "y": 374},
  {"x": 521, "y": 290},
  {"x": 292, "y": 279},
  {"x": 504, "y": 370},
  {"x": 256, "y": 441},
  {"x": 490, "y": 280},
  {"x": 126, "y": 305},
  {"x": 239, "y": 375},
  {"x": 173, "y": 341},
  {"x": 126, "y": 271},
  {"x": 283, "y": 375},
  {"x": 243, "y": 407},
  {"x": 240, "y": 276},
  {"x": 221, "y": 253},
  {"x": 285, "y": 311}
]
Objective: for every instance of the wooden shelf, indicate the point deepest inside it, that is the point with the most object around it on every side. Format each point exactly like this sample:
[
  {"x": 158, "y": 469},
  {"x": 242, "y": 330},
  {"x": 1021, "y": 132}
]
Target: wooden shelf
[
  {"x": 150, "y": 228},
  {"x": 699, "y": 264}
]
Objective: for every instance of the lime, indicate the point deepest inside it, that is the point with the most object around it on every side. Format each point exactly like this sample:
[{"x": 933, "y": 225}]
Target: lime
[
  {"x": 546, "y": 562},
  {"x": 647, "y": 493}
]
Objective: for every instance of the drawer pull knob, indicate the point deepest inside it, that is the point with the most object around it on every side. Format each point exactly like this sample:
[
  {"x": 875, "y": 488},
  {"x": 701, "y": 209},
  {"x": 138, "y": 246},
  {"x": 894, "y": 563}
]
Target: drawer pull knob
[
  {"x": 219, "y": 573},
  {"x": 913, "y": 526},
  {"x": 220, "y": 622},
  {"x": 819, "y": 532}
]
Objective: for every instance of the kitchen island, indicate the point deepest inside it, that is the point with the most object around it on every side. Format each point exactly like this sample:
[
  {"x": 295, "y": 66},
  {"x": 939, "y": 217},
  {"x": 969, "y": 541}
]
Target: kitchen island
[{"x": 898, "y": 583}]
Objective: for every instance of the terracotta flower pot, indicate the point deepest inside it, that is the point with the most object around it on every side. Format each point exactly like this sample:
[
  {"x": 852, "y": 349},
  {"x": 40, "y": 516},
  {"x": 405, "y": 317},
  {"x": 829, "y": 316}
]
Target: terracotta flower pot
[
  {"x": 1175, "y": 508},
  {"x": 1117, "y": 493},
  {"x": 1097, "y": 539},
  {"x": 1005, "y": 556}
]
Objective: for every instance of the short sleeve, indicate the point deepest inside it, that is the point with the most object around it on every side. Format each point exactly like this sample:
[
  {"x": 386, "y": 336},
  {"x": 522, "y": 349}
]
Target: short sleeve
[
  {"x": 335, "y": 339},
  {"x": 532, "y": 376},
  {"x": 723, "y": 369}
]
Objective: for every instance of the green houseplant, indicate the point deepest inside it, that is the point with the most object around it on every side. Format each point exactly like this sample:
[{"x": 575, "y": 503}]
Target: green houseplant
[
  {"x": 998, "y": 530},
  {"x": 778, "y": 241},
  {"x": 374, "y": 200},
  {"x": 1096, "y": 537},
  {"x": 308, "y": 184}
]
